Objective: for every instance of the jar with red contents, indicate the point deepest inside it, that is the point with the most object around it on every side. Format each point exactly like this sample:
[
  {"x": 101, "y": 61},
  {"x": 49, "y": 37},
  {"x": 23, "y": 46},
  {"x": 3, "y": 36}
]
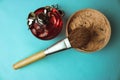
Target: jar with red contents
[{"x": 46, "y": 22}]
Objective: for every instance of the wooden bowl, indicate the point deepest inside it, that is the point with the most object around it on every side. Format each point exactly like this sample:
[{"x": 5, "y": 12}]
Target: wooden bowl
[{"x": 98, "y": 25}]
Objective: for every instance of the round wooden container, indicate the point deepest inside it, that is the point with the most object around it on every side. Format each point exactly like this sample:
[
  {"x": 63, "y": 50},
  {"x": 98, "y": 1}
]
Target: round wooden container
[{"x": 98, "y": 25}]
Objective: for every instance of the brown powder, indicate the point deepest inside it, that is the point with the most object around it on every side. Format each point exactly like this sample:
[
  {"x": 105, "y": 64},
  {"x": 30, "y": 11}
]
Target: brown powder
[
  {"x": 97, "y": 24},
  {"x": 79, "y": 37}
]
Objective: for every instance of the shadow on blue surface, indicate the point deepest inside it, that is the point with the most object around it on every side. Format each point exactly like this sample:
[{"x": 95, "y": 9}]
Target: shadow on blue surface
[
  {"x": 70, "y": 64},
  {"x": 113, "y": 29}
]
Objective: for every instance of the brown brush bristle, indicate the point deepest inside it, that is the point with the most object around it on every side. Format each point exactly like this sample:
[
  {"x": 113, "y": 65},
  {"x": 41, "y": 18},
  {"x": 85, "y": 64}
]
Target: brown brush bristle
[{"x": 79, "y": 37}]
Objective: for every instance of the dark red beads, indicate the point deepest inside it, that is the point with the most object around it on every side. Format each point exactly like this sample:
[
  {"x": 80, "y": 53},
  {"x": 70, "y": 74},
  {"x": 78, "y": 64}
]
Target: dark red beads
[{"x": 45, "y": 23}]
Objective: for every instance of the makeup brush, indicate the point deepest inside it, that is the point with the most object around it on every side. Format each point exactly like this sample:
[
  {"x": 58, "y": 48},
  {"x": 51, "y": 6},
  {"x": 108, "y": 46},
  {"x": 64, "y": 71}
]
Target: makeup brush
[{"x": 76, "y": 39}]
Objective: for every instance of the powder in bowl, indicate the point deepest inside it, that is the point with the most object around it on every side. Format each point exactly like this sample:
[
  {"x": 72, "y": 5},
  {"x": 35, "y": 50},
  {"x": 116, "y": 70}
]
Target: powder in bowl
[
  {"x": 97, "y": 24},
  {"x": 79, "y": 37}
]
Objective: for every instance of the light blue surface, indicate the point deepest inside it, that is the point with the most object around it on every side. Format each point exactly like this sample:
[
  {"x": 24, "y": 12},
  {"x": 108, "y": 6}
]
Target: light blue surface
[{"x": 17, "y": 42}]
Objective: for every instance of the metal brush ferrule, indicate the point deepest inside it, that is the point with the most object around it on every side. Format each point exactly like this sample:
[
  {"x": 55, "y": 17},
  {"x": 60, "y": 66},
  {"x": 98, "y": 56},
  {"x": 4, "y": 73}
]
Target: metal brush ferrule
[{"x": 61, "y": 45}]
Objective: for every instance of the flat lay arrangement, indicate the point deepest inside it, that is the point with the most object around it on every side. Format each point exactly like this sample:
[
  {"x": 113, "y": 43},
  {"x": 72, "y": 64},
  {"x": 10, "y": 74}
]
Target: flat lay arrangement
[
  {"x": 59, "y": 40},
  {"x": 84, "y": 32}
]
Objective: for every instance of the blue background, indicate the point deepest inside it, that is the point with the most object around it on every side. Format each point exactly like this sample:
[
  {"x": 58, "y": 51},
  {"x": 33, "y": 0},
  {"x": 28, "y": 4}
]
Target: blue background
[{"x": 17, "y": 42}]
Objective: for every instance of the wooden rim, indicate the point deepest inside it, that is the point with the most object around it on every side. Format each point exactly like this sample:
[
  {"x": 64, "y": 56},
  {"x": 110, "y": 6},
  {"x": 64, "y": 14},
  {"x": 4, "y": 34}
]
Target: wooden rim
[{"x": 108, "y": 27}]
